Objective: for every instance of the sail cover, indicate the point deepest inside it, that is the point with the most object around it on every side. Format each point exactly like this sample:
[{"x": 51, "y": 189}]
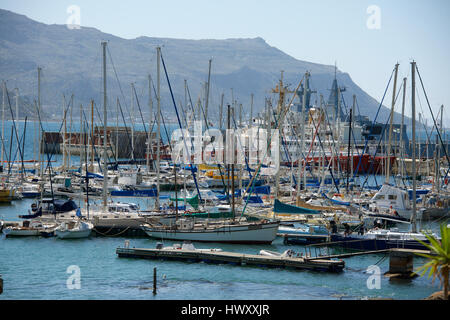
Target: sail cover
[{"x": 280, "y": 207}]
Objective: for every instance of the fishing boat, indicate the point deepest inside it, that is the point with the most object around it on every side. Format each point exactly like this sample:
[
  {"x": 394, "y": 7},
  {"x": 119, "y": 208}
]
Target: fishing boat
[{"x": 393, "y": 199}]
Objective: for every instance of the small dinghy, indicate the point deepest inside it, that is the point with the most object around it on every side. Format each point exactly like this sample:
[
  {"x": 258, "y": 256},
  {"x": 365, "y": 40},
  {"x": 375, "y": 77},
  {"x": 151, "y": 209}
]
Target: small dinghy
[
  {"x": 286, "y": 254},
  {"x": 74, "y": 230},
  {"x": 187, "y": 245}
]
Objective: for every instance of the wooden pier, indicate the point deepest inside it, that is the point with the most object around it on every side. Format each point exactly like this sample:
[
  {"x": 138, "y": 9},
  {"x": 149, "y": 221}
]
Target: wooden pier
[{"x": 233, "y": 258}]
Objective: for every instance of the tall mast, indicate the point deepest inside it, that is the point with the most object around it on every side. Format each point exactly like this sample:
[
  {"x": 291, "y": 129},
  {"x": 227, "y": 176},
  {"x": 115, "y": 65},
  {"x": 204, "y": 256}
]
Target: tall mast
[
  {"x": 413, "y": 105},
  {"x": 338, "y": 135},
  {"x": 350, "y": 142},
  {"x": 39, "y": 112},
  {"x": 251, "y": 111},
  {"x": 221, "y": 112},
  {"x": 17, "y": 103},
  {"x": 391, "y": 120},
  {"x": 402, "y": 152},
  {"x": 81, "y": 140},
  {"x": 158, "y": 119},
  {"x": 303, "y": 119},
  {"x": 65, "y": 135},
  {"x": 105, "y": 123},
  {"x": 92, "y": 137},
  {"x": 132, "y": 121},
  {"x": 70, "y": 133},
  {"x": 232, "y": 165},
  {"x": 437, "y": 178},
  {"x": 149, "y": 138},
  {"x": 117, "y": 127},
  {"x": 3, "y": 118},
  {"x": 207, "y": 93}
]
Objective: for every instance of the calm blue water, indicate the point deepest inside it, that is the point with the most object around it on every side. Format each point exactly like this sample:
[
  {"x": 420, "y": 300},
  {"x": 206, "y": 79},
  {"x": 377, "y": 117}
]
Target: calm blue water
[{"x": 35, "y": 268}]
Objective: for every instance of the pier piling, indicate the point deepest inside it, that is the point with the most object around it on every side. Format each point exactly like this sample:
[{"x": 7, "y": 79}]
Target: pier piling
[
  {"x": 154, "y": 280},
  {"x": 401, "y": 264}
]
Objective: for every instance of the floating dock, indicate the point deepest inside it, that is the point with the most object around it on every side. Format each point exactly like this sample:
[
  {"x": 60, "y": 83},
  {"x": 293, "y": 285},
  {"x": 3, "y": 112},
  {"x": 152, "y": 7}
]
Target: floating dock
[{"x": 233, "y": 258}]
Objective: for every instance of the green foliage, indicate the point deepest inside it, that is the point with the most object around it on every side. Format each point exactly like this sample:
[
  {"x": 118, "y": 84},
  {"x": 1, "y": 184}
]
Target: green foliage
[{"x": 439, "y": 261}]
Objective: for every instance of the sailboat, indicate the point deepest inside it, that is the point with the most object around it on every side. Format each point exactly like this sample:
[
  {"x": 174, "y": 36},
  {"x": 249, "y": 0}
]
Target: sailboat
[
  {"x": 226, "y": 231},
  {"x": 74, "y": 229},
  {"x": 28, "y": 228}
]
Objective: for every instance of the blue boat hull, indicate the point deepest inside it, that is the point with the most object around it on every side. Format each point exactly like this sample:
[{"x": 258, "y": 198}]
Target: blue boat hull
[
  {"x": 374, "y": 244},
  {"x": 134, "y": 193}
]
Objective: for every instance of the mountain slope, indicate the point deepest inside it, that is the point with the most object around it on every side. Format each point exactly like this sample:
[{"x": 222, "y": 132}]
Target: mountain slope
[{"x": 71, "y": 61}]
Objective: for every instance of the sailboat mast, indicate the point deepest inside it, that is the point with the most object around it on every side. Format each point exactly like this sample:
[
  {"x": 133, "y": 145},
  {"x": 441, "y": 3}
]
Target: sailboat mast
[
  {"x": 349, "y": 142},
  {"x": 3, "y": 118},
  {"x": 158, "y": 119},
  {"x": 413, "y": 106},
  {"x": 303, "y": 120},
  {"x": 92, "y": 137},
  {"x": 132, "y": 121},
  {"x": 39, "y": 112},
  {"x": 176, "y": 191},
  {"x": 105, "y": 123},
  {"x": 207, "y": 93},
  {"x": 221, "y": 112},
  {"x": 17, "y": 103},
  {"x": 391, "y": 120},
  {"x": 80, "y": 141},
  {"x": 232, "y": 165},
  {"x": 251, "y": 111},
  {"x": 65, "y": 134},
  {"x": 117, "y": 128},
  {"x": 402, "y": 142},
  {"x": 70, "y": 134},
  {"x": 149, "y": 138},
  {"x": 437, "y": 178}
]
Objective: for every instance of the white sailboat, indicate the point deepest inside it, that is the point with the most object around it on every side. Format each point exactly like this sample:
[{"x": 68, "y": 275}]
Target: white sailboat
[
  {"x": 220, "y": 231},
  {"x": 74, "y": 230}
]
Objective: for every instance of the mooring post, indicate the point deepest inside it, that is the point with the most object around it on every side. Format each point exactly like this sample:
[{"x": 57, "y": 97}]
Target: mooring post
[
  {"x": 154, "y": 280},
  {"x": 400, "y": 264}
]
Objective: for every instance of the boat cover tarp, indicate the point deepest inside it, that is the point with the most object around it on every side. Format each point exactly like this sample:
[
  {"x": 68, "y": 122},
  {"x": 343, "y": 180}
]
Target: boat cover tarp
[
  {"x": 280, "y": 207},
  {"x": 62, "y": 205},
  {"x": 32, "y": 216},
  {"x": 194, "y": 201}
]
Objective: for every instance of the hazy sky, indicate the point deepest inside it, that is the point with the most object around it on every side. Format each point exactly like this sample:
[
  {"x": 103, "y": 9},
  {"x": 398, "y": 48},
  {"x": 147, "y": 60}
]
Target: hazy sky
[{"x": 322, "y": 31}]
